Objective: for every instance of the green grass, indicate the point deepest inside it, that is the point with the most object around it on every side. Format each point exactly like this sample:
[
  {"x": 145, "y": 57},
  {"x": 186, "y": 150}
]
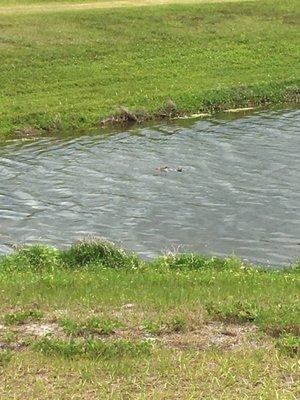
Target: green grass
[
  {"x": 19, "y": 318},
  {"x": 28, "y": 2},
  {"x": 92, "y": 326},
  {"x": 226, "y": 289},
  {"x": 92, "y": 348},
  {"x": 182, "y": 326},
  {"x": 70, "y": 69}
]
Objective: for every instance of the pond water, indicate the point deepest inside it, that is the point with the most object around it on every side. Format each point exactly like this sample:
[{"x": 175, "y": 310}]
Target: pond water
[{"x": 239, "y": 189}]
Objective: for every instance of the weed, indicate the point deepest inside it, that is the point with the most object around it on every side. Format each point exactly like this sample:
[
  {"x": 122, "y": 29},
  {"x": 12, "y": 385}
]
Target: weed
[
  {"x": 93, "y": 325},
  {"x": 52, "y": 346},
  {"x": 69, "y": 326},
  {"x": 177, "y": 324},
  {"x": 9, "y": 337},
  {"x": 289, "y": 344},
  {"x": 5, "y": 357},
  {"x": 192, "y": 261},
  {"x": 20, "y": 317},
  {"x": 91, "y": 348},
  {"x": 104, "y": 326},
  {"x": 233, "y": 312},
  {"x": 34, "y": 257},
  {"x": 152, "y": 327},
  {"x": 116, "y": 349}
]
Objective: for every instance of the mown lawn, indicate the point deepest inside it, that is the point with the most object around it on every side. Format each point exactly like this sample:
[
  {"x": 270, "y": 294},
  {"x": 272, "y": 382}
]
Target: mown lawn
[
  {"x": 69, "y": 69},
  {"x": 96, "y": 322}
]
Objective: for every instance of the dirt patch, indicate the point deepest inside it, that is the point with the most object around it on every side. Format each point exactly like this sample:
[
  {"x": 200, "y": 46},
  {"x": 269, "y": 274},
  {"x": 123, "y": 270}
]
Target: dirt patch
[
  {"x": 36, "y": 329},
  {"x": 216, "y": 334},
  {"x": 213, "y": 334},
  {"x": 29, "y": 132}
]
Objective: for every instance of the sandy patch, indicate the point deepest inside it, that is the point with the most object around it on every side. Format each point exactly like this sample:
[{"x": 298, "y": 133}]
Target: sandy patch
[
  {"x": 216, "y": 334},
  {"x": 37, "y": 329},
  {"x": 213, "y": 334}
]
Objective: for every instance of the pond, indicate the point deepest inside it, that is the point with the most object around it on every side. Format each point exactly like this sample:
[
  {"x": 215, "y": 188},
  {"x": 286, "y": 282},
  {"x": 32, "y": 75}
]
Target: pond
[{"x": 238, "y": 191}]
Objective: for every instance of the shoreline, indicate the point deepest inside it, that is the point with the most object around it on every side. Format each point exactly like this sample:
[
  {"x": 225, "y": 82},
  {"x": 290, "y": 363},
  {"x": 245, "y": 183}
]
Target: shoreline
[
  {"x": 98, "y": 250},
  {"x": 125, "y": 117}
]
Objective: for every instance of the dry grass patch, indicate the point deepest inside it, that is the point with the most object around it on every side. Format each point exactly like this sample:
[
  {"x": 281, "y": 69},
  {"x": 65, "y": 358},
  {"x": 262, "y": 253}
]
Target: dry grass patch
[{"x": 174, "y": 334}]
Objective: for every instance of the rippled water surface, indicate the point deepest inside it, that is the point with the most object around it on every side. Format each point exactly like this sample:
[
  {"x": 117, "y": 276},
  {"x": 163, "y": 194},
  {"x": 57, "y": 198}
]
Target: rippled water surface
[{"x": 239, "y": 190}]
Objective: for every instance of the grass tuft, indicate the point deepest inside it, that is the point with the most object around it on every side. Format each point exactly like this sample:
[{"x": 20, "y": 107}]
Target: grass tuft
[
  {"x": 233, "y": 312},
  {"x": 177, "y": 324},
  {"x": 34, "y": 257},
  {"x": 98, "y": 251},
  {"x": 5, "y": 357},
  {"x": 21, "y": 317},
  {"x": 189, "y": 261},
  {"x": 90, "y": 327},
  {"x": 289, "y": 344},
  {"x": 91, "y": 348},
  {"x": 152, "y": 327}
]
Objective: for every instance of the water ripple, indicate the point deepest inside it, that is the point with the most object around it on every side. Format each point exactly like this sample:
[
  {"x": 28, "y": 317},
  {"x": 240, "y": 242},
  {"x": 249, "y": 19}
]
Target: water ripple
[{"x": 239, "y": 190}]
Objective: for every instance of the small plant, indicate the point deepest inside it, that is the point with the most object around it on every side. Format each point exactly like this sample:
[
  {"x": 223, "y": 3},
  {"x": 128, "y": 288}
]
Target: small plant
[
  {"x": 119, "y": 348},
  {"x": 91, "y": 348},
  {"x": 189, "y": 261},
  {"x": 152, "y": 327},
  {"x": 5, "y": 357},
  {"x": 93, "y": 325},
  {"x": 37, "y": 256},
  {"x": 177, "y": 324},
  {"x": 9, "y": 337},
  {"x": 69, "y": 326},
  {"x": 235, "y": 312},
  {"x": 102, "y": 326},
  {"x": 20, "y": 317},
  {"x": 52, "y": 346},
  {"x": 289, "y": 344}
]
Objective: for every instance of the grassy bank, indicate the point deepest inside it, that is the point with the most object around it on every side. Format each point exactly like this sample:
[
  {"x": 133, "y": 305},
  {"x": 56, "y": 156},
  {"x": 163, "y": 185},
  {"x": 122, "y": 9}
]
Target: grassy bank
[
  {"x": 70, "y": 69},
  {"x": 96, "y": 322}
]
